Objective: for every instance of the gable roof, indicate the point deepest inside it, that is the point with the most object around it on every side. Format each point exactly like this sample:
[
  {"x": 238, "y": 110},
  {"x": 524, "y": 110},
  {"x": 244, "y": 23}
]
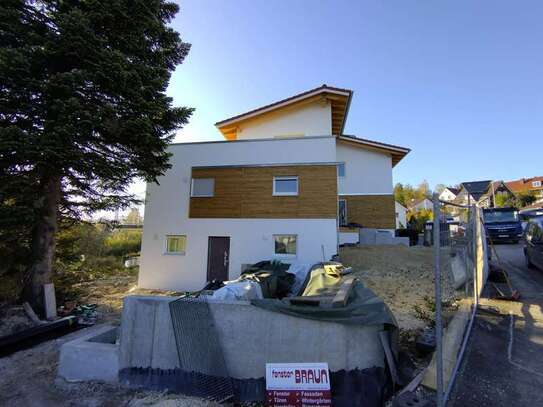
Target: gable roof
[
  {"x": 524, "y": 184},
  {"x": 476, "y": 188},
  {"x": 396, "y": 152},
  {"x": 340, "y": 100},
  {"x": 455, "y": 191}
]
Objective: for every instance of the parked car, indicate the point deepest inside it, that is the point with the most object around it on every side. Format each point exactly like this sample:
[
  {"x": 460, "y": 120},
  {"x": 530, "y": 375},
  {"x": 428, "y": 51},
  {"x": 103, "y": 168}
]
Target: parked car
[
  {"x": 502, "y": 224},
  {"x": 527, "y": 214},
  {"x": 533, "y": 243}
]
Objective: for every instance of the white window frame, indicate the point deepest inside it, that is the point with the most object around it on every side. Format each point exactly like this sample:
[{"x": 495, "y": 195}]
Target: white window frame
[
  {"x": 182, "y": 253},
  {"x": 201, "y": 196},
  {"x": 286, "y": 178},
  {"x": 344, "y": 170},
  {"x": 536, "y": 184},
  {"x": 285, "y": 255}
]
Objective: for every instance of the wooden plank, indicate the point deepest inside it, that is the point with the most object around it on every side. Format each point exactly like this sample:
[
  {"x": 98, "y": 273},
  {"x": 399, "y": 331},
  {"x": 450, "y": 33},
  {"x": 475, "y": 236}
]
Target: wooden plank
[
  {"x": 345, "y": 290},
  {"x": 384, "y": 337},
  {"x": 50, "y": 301},
  {"x": 313, "y": 300}
]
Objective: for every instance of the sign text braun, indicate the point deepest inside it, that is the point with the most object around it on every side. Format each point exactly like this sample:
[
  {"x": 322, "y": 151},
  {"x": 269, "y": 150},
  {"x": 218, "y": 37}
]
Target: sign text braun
[{"x": 298, "y": 385}]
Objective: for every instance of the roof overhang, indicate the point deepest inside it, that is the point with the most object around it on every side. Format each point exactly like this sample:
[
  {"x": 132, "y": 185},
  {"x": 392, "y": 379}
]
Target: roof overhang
[
  {"x": 397, "y": 153},
  {"x": 340, "y": 100}
]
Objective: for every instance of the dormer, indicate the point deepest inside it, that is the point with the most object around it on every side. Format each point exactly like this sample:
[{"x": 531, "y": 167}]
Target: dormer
[{"x": 318, "y": 112}]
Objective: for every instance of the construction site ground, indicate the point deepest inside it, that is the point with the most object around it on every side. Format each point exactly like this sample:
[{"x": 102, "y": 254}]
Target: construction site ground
[{"x": 402, "y": 276}]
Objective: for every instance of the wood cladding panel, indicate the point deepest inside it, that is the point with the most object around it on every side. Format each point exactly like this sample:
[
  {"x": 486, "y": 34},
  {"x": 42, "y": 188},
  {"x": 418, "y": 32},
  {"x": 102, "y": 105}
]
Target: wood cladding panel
[
  {"x": 247, "y": 192},
  {"x": 371, "y": 211}
]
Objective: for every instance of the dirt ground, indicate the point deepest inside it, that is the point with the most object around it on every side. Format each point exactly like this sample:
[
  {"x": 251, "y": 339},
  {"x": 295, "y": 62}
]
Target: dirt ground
[
  {"x": 28, "y": 378},
  {"x": 403, "y": 277}
]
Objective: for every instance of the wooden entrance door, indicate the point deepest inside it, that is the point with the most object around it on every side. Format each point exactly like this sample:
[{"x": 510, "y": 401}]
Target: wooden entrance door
[{"x": 218, "y": 258}]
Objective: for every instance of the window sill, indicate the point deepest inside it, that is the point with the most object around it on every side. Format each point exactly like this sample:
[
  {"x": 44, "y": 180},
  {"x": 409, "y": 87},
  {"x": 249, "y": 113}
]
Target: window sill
[
  {"x": 285, "y": 194},
  {"x": 284, "y": 256},
  {"x": 173, "y": 253}
]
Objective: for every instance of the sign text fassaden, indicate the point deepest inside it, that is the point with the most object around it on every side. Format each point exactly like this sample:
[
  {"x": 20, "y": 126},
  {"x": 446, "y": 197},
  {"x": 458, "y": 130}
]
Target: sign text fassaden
[{"x": 298, "y": 385}]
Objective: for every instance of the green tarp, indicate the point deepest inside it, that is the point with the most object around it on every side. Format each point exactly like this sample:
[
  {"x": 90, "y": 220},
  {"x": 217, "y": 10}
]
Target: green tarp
[{"x": 363, "y": 307}]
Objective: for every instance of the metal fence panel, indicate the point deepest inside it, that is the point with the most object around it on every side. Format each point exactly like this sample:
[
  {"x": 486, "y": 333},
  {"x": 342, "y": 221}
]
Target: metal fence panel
[{"x": 199, "y": 349}]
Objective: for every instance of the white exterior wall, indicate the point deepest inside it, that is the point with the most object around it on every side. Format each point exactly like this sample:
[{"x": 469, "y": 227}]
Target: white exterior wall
[
  {"x": 313, "y": 119},
  {"x": 251, "y": 240},
  {"x": 401, "y": 215},
  {"x": 366, "y": 172},
  {"x": 447, "y": 195}
]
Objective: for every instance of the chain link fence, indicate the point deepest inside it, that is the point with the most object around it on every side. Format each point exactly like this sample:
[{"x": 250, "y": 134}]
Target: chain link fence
[{"x": 460, "y": 259}]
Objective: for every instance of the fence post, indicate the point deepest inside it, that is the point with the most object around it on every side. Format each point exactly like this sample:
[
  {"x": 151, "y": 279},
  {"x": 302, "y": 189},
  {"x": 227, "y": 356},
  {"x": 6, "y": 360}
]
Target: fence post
[
  {"x": 475, "y": 238},
  {"x": 439, "y": 323}
]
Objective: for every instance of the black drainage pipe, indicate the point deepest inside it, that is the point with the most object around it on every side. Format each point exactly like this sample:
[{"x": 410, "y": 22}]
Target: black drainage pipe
[{"x": 32, "y": 336}]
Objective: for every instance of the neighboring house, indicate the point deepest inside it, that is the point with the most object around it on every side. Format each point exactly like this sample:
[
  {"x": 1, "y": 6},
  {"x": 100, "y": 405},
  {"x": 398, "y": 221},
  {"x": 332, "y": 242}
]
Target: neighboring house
[
  {"x": 401, "y": 215},
  {"x": 449, "y": 194},
  {"x": 495, "y": 189},
  {"x": 481, "y": 193},
  {"x": 534, "y": 185},
  {"x": 276, "y": 188},
  {"x": 419, "y": 204},
  {"x": 471, "y": 192}
]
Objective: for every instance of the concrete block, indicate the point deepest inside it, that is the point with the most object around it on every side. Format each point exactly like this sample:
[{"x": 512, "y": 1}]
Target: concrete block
[
  {"x": 384, "y": 237},
  {"x": 250, "y": 337},
  {"x": 50, "y": 301},
  {"x": 367, "y": 236},
  {"x": 348, "y": 237},
  {"x": 93, "y": 356},
  {"x": 452, "y": 340}
]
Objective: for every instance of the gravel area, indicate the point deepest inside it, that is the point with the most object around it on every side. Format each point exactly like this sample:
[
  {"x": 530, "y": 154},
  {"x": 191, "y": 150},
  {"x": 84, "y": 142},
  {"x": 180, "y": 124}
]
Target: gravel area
[{"x": 403, "y": 277}]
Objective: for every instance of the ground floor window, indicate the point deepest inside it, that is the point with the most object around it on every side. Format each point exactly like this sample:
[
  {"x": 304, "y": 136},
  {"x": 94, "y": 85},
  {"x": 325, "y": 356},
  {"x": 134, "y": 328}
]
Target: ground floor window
[
  {"x": 176, "y": 244},
  {"x": 285, "y": 245}
]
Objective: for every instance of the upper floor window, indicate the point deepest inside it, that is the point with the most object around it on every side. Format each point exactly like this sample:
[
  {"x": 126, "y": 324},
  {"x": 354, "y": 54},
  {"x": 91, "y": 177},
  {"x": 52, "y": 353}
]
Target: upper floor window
[
  {"x": 536, "y": 184},
  {"x": 341, "y": 170},
  {"x": 202, "y": 187},
  {"x": 285, "y": 185}
]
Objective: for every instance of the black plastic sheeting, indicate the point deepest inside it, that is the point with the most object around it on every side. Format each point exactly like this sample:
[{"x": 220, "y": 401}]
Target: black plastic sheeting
[{"x": 354, "y": 388}]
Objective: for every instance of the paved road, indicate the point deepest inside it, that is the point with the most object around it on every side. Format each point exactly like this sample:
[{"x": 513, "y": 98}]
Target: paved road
[{"x": 503, "y": 364}]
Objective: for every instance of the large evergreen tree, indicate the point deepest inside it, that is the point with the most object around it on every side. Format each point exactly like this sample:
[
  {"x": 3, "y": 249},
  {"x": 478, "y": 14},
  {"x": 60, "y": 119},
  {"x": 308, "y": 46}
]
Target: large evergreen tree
[{"x": 83, "y": 112}]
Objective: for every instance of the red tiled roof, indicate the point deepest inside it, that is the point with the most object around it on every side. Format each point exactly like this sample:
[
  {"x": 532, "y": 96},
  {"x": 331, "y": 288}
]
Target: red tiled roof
[{"x": 525, "y": 184}]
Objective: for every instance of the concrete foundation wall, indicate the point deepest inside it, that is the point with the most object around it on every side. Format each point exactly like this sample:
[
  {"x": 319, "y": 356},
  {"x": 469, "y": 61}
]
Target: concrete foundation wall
[
  {"x": 93, "y": 356},
  {"x": 250, "y": 337}
]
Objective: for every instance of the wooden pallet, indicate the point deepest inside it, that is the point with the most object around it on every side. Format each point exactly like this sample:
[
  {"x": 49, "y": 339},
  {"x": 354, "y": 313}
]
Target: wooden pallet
[{"x": 327, "y": 301}]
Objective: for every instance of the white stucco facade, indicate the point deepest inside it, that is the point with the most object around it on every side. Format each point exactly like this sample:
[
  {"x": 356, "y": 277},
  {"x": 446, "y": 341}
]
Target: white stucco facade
[
  {"x": 251, "y": 240},
  {"x": 447, "y": 195},
  {"x": 366, "y": 172},
  {"x": 297, "y": 133},
  {"x": 313, "y": 119},
  {"x": 401, "y": 215}
]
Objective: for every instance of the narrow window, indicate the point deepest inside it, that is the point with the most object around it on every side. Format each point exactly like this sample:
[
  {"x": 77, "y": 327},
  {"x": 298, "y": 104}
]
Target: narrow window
[
  {"x": 285, "y": 185},
  {"x": 341, "y": 170},
  {"x": 342, "y": 212},
  {"x": 202, "y": 187},
  {"x": 176, "y": 244},
  {"x": 285, "y": 245}
]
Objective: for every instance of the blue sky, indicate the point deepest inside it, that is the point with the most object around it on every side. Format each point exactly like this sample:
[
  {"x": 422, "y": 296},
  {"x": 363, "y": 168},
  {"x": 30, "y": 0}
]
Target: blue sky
[{"x": 458, "y": 82}]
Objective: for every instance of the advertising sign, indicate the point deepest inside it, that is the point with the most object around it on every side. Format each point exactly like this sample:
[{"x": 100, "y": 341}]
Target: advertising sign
[{"x": 298, "y": 385}]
